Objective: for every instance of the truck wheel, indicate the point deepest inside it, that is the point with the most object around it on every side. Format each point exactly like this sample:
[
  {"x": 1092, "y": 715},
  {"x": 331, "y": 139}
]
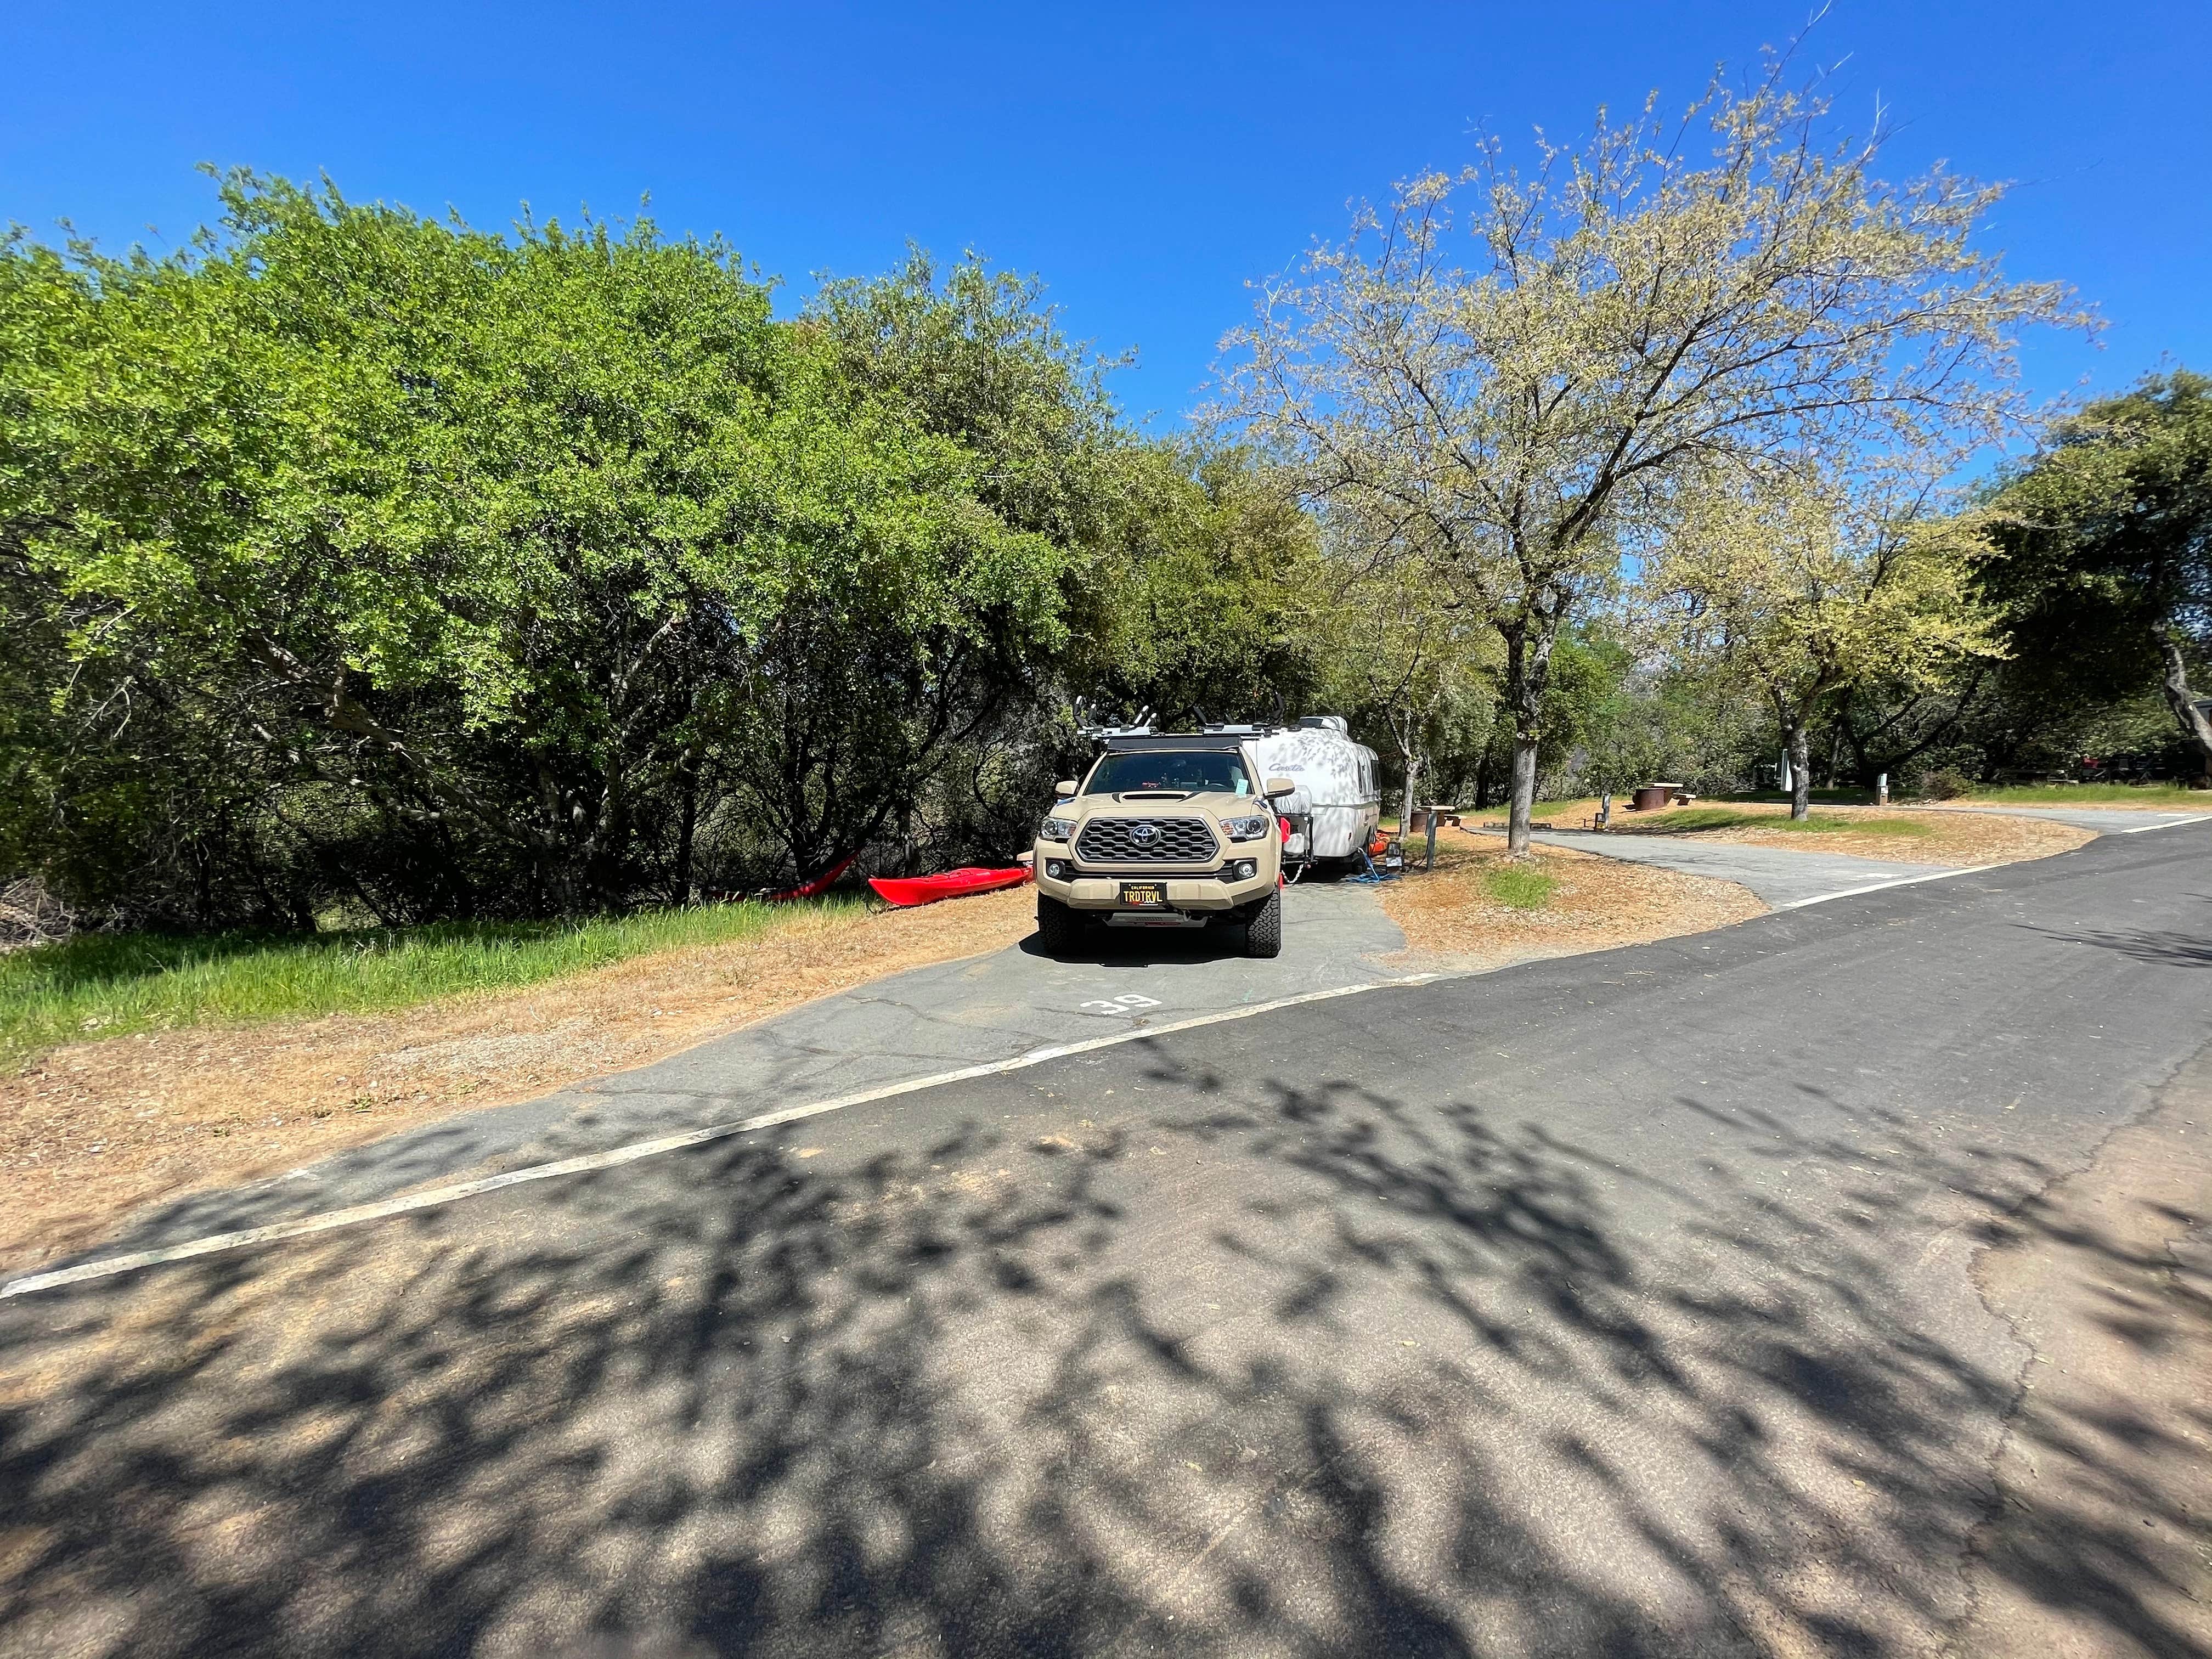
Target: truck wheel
[
  {"x": 1263, "y": 926},
  {"x": 1060, "y": 929}
]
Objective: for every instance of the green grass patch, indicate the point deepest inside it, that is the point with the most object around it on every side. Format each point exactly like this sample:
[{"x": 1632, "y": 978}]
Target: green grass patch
[
  {"x": 114, "y": 985},
  {"x": 1518, "y": 886},
  {"x": 1689, "y": 820},
  {"x": 1821, "y": 797},
  {"x": 2095, "y": 795}
]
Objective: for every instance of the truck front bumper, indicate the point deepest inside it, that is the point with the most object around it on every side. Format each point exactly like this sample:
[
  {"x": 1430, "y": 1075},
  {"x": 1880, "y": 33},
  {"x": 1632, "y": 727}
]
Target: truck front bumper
[{"x": 1084, "y": 889}]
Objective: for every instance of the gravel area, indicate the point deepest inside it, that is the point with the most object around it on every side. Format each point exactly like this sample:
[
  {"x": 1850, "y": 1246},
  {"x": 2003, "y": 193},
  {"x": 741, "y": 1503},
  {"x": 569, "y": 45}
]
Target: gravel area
[{"x": 1450, "y": 918}]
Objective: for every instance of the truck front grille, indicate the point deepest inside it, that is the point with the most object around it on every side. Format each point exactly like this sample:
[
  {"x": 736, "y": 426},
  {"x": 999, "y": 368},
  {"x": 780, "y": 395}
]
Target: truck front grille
[{"x": 1170, "y": 841}]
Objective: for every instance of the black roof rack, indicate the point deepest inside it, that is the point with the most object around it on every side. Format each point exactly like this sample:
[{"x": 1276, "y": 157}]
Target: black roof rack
[
  {"x": 1243, "y": 729},
  {"x": 1209, "y": 742}
]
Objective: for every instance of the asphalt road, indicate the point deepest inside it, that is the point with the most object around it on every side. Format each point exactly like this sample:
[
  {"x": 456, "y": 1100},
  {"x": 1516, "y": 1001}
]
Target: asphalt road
[
  {"x": 921, "y": 1024},
  {"x": 1619, "y": 1305}
]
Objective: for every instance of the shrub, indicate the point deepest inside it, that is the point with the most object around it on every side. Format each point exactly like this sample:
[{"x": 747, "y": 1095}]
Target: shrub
[{"x": 1945, "y": 783}]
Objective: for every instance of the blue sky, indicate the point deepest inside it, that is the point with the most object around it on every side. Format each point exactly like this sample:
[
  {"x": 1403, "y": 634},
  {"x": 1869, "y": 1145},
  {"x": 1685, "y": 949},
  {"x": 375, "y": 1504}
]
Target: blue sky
[{"x": 1144, "y": 161}]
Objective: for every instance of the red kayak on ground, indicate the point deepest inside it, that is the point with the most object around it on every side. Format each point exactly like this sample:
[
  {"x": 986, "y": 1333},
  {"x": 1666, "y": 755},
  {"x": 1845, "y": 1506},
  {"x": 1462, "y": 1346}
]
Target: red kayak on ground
[
  {"x": 821, "y": 883},
  {"x": 951, "y": 884}
]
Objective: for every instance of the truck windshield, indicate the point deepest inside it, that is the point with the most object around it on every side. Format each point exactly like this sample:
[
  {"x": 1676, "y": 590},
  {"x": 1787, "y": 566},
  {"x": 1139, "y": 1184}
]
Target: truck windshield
[{"x": 1218, "y": 771}]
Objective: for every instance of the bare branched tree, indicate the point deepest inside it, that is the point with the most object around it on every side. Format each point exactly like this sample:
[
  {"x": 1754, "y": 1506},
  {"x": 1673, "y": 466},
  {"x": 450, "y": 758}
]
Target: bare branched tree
[{"x": 1515, "y": 373}]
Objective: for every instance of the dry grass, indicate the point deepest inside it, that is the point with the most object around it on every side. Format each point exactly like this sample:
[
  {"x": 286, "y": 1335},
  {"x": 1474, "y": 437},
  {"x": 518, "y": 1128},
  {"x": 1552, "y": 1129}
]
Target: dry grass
[
  {"x": 1950, "y": 839},
  {"x": 1451, "y": 915},
  {"x": 92, "y": 1130}
]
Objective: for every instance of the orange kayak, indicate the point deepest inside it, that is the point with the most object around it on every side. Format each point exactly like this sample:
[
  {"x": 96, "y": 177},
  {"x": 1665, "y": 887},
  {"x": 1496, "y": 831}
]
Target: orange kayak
[{"x": 951, "y": 884}]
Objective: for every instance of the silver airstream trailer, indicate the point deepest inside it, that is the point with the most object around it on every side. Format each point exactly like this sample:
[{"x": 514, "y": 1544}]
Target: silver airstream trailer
[{"x": 1338, "y": 804}]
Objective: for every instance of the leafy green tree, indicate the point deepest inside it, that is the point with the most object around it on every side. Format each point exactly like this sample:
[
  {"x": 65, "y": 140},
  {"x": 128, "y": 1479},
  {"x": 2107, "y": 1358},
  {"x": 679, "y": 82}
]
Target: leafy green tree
[
  {"x": 475, "y": 566},
  {"x": 1200, "y": 597},
  {"x": 977, "y": 356},
  {"x": 1406, "y": 661},
  {"x": 1593, "y": 713},
  {"x": 2102, "y": 557},
  {"x": 1809, "y": 582}
]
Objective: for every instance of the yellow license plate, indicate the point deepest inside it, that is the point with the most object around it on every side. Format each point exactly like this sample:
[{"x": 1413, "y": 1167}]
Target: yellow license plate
[{"x": 1145, "y": 894}]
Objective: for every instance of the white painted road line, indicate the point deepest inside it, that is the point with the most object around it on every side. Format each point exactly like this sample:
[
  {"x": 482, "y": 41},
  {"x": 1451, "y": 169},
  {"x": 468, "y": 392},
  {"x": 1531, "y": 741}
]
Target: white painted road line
[
  {"x": 434, "y": 1197},
  {"x": 1884, "y": 886},
  {"x": 2170, "y": 823}
]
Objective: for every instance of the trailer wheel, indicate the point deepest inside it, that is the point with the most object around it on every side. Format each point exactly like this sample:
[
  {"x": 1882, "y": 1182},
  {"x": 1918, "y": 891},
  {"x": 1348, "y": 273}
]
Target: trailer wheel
[
  {"x": 1263, "y": 926},
  {"x": 1060, "y": 928}
]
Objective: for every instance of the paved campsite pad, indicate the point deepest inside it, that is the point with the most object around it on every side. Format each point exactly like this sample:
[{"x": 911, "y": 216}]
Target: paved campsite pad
[
  {"x": 1783, "y": 876},
  {"x": 2105, "y": 820},
  {"x": 923, "y": 1023},
  {"x": 1780, "y": 877}
]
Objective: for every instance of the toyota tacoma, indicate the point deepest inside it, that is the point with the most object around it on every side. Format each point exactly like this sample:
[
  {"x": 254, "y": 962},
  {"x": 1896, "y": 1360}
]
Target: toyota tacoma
[{"x": 1164, "y": 830}]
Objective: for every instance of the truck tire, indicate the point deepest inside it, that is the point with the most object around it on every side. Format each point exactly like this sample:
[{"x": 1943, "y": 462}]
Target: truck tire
[
  {"x": 1060, "y": 928},
  {"x": 1263, "y": 926}
]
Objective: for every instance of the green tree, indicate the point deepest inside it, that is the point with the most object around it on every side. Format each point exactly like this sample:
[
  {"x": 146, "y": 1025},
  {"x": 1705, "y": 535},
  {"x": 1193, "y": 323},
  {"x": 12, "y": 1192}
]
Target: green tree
[
  {"x": 482, "y": 571},
  {"x": 1808, "y": 583},
  {"x": 1406, "y": 660},
  {"x": 1198, "y": 598},
  {"x": 2102, "y": 555}
]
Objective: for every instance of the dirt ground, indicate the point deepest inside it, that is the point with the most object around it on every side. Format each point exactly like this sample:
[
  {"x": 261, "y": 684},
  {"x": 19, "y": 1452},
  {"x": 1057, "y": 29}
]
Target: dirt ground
[
  {"x": 1959, "y": 839},
  {"x": 92, "y": 1130},
  {"x": 1448, "y": 919},
  {"x": 2106, "y": 1277}
]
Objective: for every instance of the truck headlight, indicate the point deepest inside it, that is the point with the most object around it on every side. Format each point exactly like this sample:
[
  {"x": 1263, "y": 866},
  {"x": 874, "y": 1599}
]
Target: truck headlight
[
  {"x": 1250, "y": 827},
  {"x": 1057, "y": 829}
]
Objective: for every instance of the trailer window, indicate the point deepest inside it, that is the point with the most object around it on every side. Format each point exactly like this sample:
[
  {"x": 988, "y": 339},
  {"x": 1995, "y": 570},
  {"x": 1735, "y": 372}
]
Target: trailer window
[{"x": 1194, "y": 771}]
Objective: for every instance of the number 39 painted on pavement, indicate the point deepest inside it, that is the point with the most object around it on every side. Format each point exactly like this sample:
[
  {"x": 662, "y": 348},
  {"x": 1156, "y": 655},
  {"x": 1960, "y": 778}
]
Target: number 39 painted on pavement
[{"x": 1121, "y": 1005}]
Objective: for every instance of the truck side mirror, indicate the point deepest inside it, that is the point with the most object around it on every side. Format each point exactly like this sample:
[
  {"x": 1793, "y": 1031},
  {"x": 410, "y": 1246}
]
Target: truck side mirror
[
  {"x": 1064, "y": 790},
  {"x": 1276, "y": 788}
]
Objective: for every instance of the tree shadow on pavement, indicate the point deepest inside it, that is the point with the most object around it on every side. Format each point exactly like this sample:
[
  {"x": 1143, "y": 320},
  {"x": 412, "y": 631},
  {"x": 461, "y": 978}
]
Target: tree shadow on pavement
[
  {"x": 2157, "y": 948},
  {"x": 1141, "y": 947},
  {"x": 1307, "y": 1370}
]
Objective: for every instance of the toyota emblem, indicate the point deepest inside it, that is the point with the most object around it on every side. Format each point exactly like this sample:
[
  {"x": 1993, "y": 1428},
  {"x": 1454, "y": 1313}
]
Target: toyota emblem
[{"x": 1144, "y": 834}]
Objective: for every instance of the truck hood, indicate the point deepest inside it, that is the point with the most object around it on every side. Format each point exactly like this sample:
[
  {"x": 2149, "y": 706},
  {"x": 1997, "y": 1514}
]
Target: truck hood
[{"x": 1210, "y": 804}]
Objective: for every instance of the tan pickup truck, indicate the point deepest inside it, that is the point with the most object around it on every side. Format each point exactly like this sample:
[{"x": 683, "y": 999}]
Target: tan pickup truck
[{"x": 1164, "y": 830}]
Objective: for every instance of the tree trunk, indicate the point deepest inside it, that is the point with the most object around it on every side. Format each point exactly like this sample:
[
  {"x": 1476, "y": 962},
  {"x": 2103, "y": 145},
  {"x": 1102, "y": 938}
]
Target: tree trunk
[
  {"x": 1801, "y": 775},
  {"x": 1413, "y": 780},
  {"x": 687, "y": 830},
  {"x": 2196, "y": 730},
  {"x": 1527, "y": 664},
  {"x": 1524, "y": 796}
]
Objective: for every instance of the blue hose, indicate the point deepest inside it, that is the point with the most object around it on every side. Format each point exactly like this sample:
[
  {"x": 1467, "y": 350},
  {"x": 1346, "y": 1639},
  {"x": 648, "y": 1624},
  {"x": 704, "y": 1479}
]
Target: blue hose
[{"x": 1371, "y": 874}]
